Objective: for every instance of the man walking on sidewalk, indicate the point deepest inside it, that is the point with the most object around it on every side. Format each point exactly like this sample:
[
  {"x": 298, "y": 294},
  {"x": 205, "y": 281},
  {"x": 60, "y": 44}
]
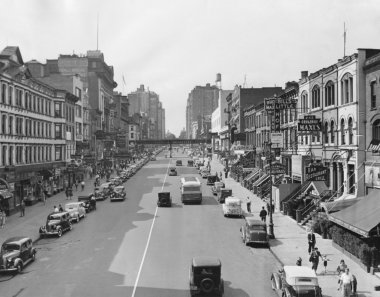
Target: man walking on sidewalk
[
  {"x": 263, "y": 214},
  {"x": 311, "y": 240},
  {"x": 22, "y": 208},
  {"x": 248, "y": 205}
]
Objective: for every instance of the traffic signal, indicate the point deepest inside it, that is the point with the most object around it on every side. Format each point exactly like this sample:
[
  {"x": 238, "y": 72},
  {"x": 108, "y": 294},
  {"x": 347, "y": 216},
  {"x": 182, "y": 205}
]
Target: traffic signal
[{"x": 232, "y": 136}]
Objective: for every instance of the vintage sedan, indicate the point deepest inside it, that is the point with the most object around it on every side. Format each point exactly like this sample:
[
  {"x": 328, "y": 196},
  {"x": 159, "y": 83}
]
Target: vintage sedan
[
  {"x": 76, "y": 210},
  {"x": 119, "y": 194},
  {"x": 254, "y": 232},
  {"x": 164, "y": 199},
  {"x": 172, "y": 171},
  {"x": 56, "y": 224},
  {"x": 206, "y": 277},
  {"x": 217, "y": 186},
  {"x": 16, "y": 253},
  {"x": 296, "y": 281}
]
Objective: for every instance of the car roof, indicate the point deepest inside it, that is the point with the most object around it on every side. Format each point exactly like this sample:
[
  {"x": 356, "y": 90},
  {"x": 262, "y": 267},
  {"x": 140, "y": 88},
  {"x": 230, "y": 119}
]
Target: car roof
[
  {"x": 17, "y": 240},
  {"x": 299, "y": 271},
  {"x": 253, "y": 221},
  {"x": 233, "y": 199},
  {"x": 206, "y": 261},
  {"x": 74, "y": 203},
  {"x": 119, "y": 187},
  {"x": 60, "y": 213}
]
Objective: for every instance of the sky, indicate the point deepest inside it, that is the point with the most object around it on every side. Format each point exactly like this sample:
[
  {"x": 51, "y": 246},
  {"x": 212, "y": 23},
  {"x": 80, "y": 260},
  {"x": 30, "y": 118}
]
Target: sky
[{"x": 172, "y": 46}]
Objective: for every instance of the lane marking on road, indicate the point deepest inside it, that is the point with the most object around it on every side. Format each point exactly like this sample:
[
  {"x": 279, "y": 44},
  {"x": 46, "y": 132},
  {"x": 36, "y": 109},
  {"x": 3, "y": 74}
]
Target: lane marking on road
[{"x": 148, "y": 241}]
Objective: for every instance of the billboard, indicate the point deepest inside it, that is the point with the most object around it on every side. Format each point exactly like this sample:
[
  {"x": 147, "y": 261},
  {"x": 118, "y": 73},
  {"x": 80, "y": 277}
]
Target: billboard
[
  {"x": 309, "y": 124},
  {"x": 316, "y": 172}
]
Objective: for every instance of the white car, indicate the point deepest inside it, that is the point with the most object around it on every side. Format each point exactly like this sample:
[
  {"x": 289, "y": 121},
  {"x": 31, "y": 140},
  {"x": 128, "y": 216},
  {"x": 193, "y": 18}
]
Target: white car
[
  {"x": 232, "y": 207},
  {"x": 76, "y": 210}
]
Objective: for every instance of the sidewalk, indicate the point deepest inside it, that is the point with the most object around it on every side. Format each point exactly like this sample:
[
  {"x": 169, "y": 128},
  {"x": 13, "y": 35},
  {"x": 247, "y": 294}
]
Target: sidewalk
[
  {"x": 291, "y": 242},
  {"x": 35, "y": 215}
]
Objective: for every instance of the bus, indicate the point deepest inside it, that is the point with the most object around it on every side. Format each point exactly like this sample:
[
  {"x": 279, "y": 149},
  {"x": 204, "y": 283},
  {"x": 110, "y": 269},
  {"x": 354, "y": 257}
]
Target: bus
[{"x": 191, "y": 190}]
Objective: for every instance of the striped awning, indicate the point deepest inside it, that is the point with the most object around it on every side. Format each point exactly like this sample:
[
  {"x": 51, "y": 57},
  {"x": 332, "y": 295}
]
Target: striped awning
[{"x": 5, "y": 194}]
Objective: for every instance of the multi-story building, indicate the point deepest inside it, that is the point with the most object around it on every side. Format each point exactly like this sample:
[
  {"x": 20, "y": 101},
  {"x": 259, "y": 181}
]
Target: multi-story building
[
  {"x": 32, "y": 136},
  {"x": 219, "y": 122},
  {"x": 201, "y": 102}
]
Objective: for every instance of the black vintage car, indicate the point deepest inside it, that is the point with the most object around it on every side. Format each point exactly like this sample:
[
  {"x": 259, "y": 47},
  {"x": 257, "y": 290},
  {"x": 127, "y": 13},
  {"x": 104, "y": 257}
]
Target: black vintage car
[
  {"x": 89, "y": 202},
  {"x": 206, "y": 277},
  {"x": 16, "y": 253},
  {"x": 164, "y": 199},
  {"x": 211, "y": 179},
  {"x": 190, "y": 163},
  {"x": 56, "y": 224},
  {"x": 223, "y": 193}
]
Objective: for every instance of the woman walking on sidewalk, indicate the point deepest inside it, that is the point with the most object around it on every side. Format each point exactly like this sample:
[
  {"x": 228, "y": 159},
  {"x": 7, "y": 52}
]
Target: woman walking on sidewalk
[
  {"x": 2, "y": 218},
  {"x": 248, "y": 205}
]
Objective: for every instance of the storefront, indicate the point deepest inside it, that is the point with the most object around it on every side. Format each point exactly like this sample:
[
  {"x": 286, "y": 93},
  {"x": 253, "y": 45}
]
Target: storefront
[{"x": 6, "y": 197}]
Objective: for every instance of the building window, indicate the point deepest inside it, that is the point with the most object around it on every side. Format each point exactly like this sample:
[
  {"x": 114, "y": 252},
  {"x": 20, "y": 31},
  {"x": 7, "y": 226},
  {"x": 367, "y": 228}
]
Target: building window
[
  {"x": 347, "y": 88},
  {"x": 58, "y": 131},
  {"x": 326, "y": 132},
  {"x": 4, "y": 155},
  {"x": 332, "y": 134},
  {"x": 4, "y": 124},
  {"x": 58, "y": 153},
  {"x": 58, "y": 110},
  {"x": 350, "y": 131},
  {"x": 3, "y": 93},
  {"x": 316, "y": 97},
  {"x": 304, "y": 103},
  {"x": 78, "y": 93},
  {"x": 132, "y": 135},
  {"x": 342, "y": 134},
  {"x": 329, "y": 94},
  {"x": 10, "y": 155},
  {"x": 376, "y": 130},
  {"x": 10, "y": 95},
  {"x": 373, "y": 95},
  {"x": 10, "y": 125},
  {"x": 79, "y": 111}
]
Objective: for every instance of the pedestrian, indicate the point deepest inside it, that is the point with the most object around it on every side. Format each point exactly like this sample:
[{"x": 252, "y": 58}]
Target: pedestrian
[
  {"x": 272, "y": 208},
  {"x": 221, "y": 175},
  {"x": 2, "y": 218},
  {"x": 325, "y": 260},
  {"x": 44, "y": 197},
  {"x": 314, "y": 259},
  {"x": 225, "y": 173},
  {"x": 60, "y": 208},
  {"x": 248, "y": 205},
  {"x": 263, "y": 214},
  {"x": 341, "y": 267},
  {"x": 56, "y": 209},
  {"x": 299, "y": 261},
  {"x": 67, "y": 193},
  {"x": 76, "y": 185},
  {"x": 345, "y": 282},
  {"x": 311, "y": 240},
  {"x": 22, "y": 208},
  {"x": 82, "y": 184}
]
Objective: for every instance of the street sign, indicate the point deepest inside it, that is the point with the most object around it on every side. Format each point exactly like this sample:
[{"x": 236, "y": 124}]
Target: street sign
[
  {"x": 309, "y": 124},
  {"x": 277, "y": 168},
  {"x": 271, "y": 104},
  {"x": 277, "y": 140},
  {"x": 316, "y": 172}
]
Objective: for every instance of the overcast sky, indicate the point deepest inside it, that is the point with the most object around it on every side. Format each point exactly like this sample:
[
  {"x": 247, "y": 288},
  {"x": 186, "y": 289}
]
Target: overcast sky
[{"x": 171, "y": 46}]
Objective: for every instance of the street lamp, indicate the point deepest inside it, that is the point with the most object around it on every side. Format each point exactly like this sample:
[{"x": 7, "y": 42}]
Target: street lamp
[{"x": 269, "y": 158}]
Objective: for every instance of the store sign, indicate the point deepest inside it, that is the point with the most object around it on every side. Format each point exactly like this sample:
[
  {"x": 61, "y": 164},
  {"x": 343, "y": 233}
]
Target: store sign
[
  {"x": 11, "y": 187},
  {"x": 3, "y": 185},
  {"x": 121, "y": 141},
  {"x": 277, "y": 168},
  {"x": 316, "y": 172},
  {"x": 275, "y": 120},
  {"x": 309, "y": 124},
  {"x": 277, "y": 140},
  {"x": 271, "y": 104},
  {"x": 374, "y": 146}
]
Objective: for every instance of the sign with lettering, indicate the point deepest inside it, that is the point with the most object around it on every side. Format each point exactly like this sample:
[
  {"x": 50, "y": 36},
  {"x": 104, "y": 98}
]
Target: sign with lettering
[
  {"x": 316, "y": 172},
  {"x": 277, "y": 168},
  {"x": 121, "y": 141},
  {"x": 275, "y": 120},
  {"x": 271, "y": 104},
  {"x": 374, "y": 146},
  {"x": 309, "y": 124},
  {"x": 277, "y": 140}
]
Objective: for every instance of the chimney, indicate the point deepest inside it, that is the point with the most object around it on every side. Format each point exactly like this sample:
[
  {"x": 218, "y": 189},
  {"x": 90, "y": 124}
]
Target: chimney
[
  {"x": 141, "y": 88},
  {"x": 304, "y": 74}
]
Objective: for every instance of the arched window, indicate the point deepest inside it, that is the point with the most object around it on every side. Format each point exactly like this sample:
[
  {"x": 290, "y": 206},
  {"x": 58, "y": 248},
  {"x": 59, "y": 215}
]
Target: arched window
[
  {"x": 342, "y": 134},
  {"x": 332, "y": 135},
  {"x": 326, "y": 132},
  {"x": 376, "y": 130},
  {"x": 350, "y": 131},
  {"x": 329, "y": 94},
  {"x": 347, "y": 88},
  {"x": 316, "y": 97},
  {"x": 304, "y": 102}
]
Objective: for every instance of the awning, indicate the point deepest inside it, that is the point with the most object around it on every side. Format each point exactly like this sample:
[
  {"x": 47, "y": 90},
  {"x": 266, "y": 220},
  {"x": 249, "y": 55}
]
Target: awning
[
  {"x": 361, "y": 217},
  {"x": 254, "y": 173},
  {"x": 5, "y": 194},
  {"x": 261, "y": 180},
  {"x": 338, "y": 205},
  {"x": 374, "y": 146},
  {"x": 46, "y": 173}
]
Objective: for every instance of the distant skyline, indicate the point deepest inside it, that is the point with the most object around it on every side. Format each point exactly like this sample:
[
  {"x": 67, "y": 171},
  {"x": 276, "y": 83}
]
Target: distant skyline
[{"x": 173, "y": 46}]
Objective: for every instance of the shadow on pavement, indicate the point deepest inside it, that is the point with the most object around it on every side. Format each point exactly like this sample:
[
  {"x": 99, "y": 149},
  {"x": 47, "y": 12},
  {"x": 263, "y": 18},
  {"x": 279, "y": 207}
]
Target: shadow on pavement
[{"x": 209, "y": 200}]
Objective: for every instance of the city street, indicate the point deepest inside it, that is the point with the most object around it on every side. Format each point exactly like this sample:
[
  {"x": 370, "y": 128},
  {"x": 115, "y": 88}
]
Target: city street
[{"x": 133, "y": 248}]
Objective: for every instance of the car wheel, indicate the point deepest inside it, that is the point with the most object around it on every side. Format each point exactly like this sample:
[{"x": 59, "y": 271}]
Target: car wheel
[
  {"x": 34, "y": 257},
  {"x": 273, "y": 283},
  {"x": 59, "y": 233},
  {"x": 19, "y": 267},
  {"x": 70, "y": 226},
  {"x": 207, "y": 285}
]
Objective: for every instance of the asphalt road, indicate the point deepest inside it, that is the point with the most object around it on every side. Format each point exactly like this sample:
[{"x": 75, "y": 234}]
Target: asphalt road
[{"x": 135, "y": 249}]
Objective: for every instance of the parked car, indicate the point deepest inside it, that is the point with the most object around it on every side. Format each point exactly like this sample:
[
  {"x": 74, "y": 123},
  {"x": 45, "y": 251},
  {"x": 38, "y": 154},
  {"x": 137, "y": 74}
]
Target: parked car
[
  {"x": 217, "y": 186},
  {"x": 205, "y": 173},
  {"x": 76, "y": 210},
  {"x": 212, "y": 179},
  {"x": 105, "y": 190},
  {"x": 223, "y": 193},
  {"x": 119, "y": 194},
  {"x": 16, "y": 253},
  {"x": 232, "y": 207},
  {"x": 294, "y": 281},
  {"x": 116, "y": 181},
  {"x": 190, "y": 163},
  {"x": 178, "y": 163},
  {"x": 89, "y": 202},
  {"x": 173, "y": 171},
  {"x": 254, "y": 231},
  {"x": 56, "y": 224},
  {"x": 164, "y": 199},
  {"x": 206, "y": 276}
]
